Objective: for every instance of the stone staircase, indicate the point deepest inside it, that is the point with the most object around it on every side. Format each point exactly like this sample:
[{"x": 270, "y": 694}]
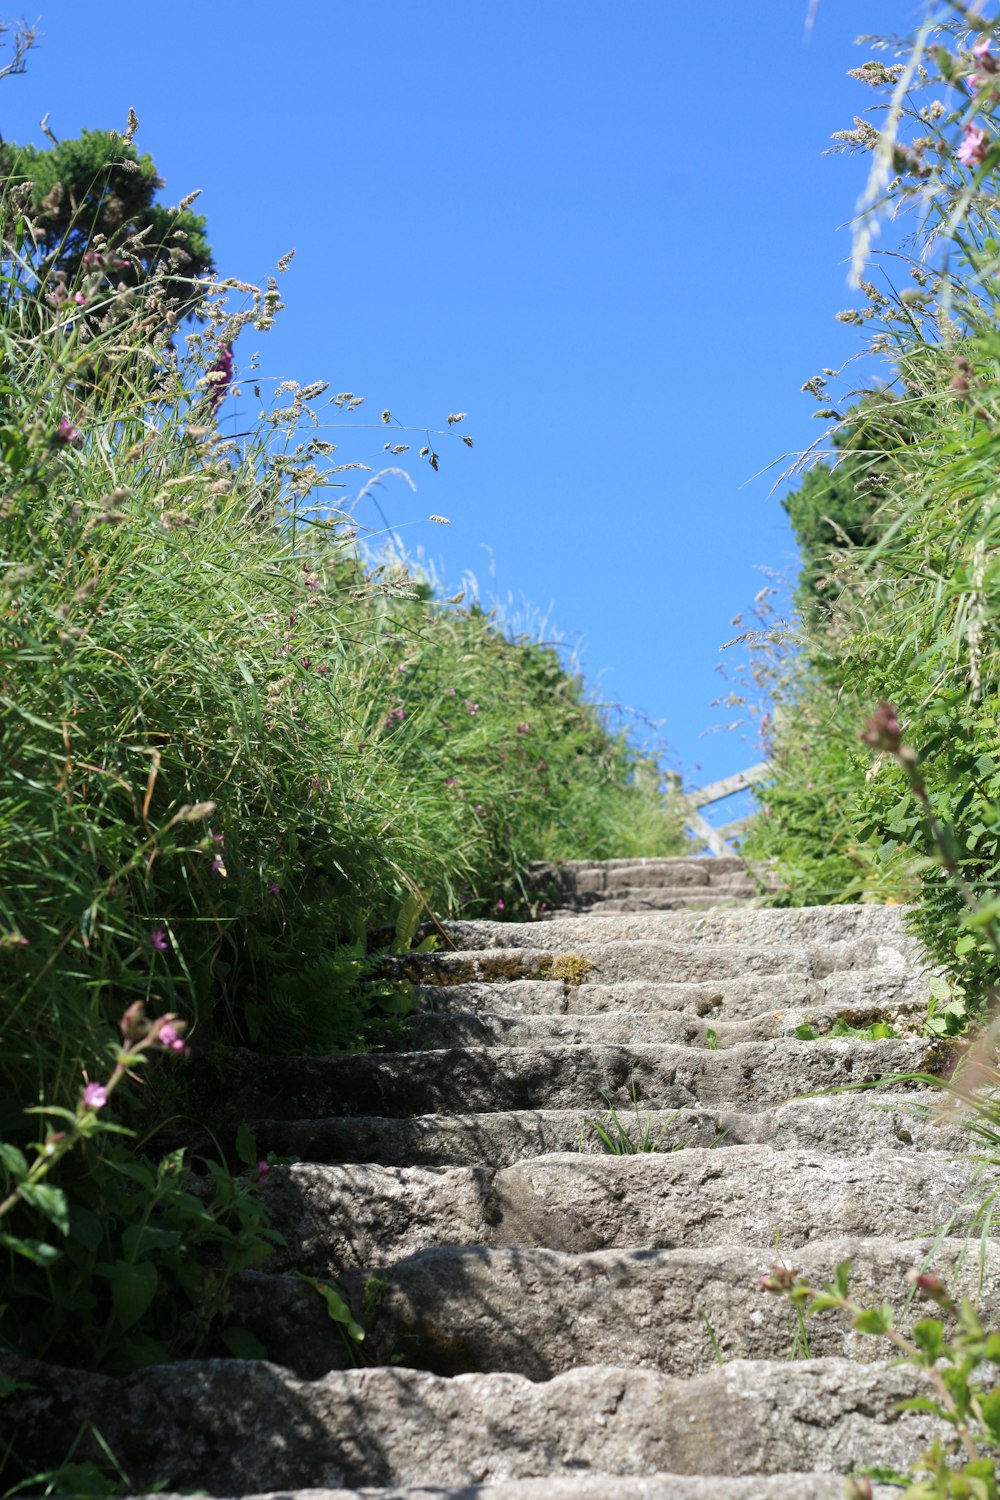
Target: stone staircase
[
  {"x": 547, "y": 1320},
  {"x": 627, "y": 885}
]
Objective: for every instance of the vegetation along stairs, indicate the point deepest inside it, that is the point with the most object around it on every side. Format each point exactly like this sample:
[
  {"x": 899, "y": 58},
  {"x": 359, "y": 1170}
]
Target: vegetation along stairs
[{"x": 544, "y": 1316}]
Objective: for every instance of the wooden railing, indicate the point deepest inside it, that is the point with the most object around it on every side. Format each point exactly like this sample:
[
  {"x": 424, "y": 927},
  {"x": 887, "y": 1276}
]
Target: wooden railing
[{"x": 716, "y": 839}]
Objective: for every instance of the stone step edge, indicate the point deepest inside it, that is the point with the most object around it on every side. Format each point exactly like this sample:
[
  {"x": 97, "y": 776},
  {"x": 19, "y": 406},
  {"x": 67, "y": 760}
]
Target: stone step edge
[
  {"x": 210, "y": 1423},
  {"x": 592, "y": 1486}
]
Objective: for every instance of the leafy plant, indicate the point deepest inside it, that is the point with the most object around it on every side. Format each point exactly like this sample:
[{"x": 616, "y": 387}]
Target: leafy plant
[{"x": 954, "y": 1352}]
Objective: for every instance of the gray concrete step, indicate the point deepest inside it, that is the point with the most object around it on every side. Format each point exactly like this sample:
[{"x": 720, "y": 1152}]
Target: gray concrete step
[
  {"x": 841, "y": 1123},
  {"x": 337, "y": 1217},
  {"x": 237, "y": 1428}
]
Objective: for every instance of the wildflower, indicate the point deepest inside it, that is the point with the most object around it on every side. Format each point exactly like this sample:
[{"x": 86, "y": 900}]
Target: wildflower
[
  {"x": 220, "y": 376},
  {"x": 523, "y": 728},
  {"x": 451, "y": 692},
  {"x": 134, "y": 1023},
  {"x": 500, "y": 905},
  {"x": 218, "y": 866},
  {"x": 401, "y": 667},
  {"x": 158, "y": 939},
  {"x": 274, "y": 888},
  {"x": 263, "y": 1168},
  {"x": 66, "y": 434},
  {"x": 973, "y": 146},
  {"x": 79, "y": 299},
  {"x": 95, "y": 1096},
  {"x": 930, "y": 1287},
  {"x": 882, "y": 730},
  {"x": 480, "y": 809},
  {"x": 451, "y": 781},
  {"x": 473, "y": 708},
  {"x": 778, "y": 1279},
  {"x": 13, "y": 940},
  {"x": 171, "y": 1038}
]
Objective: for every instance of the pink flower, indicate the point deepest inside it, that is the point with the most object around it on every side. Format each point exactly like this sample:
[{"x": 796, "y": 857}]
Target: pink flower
[
  {"x": 500, "y": 906},
  {"x": 401, "y": 667},
  {"x": 79, "y": 299},
  {"x": 473, "y": 708},
  {"x": 451, "y": 692},
  {"x": 263, "y": 1168},
  {"x": 451, "y": 781},
  {"x": 171, "y": 1038},
  {"x": 973, "y": 146},
  {"x": 480, "y": 809},
  {"x": 523, "y": 728},
  {"x": 158, "y": 938},
  {"x": 219, "y": 866},
  {"x": 95, "y": 1096}
]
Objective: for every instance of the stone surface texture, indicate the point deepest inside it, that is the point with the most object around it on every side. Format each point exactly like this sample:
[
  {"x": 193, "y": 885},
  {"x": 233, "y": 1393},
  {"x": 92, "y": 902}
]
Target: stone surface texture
[{"x": 550, "y": 1320}]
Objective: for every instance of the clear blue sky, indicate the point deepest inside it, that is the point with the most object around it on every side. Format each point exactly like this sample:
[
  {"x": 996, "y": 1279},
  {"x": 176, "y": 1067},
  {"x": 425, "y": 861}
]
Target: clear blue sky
[{"x": 603, "y": 228}]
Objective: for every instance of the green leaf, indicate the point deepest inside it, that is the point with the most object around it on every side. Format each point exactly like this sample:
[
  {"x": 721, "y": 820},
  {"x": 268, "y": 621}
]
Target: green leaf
[
  {"x": 242, "y": 1344},
  {"x": 965, "y": 944},
  {"x": 246, "y": 1146},
  {"x": 85, "y": 1227},
  {"x": 132, "y": 1290},
  {"x": 13, "y": 1160},
  {"x": 842, "y": 1277},
  {"x": 143, "y": 1239},
  {"x": 407, "y": 922},
  {"x": 51, "y": 1201},
  {"x": 989, "y": 1405},
  {"x": 336, "y": 1307},
  {"x": 940, "y": 988},
  {"x": 928, "y": 1335},
  {"x": 874, "y": 1320},
  {"x": 37, "y": 1251}
]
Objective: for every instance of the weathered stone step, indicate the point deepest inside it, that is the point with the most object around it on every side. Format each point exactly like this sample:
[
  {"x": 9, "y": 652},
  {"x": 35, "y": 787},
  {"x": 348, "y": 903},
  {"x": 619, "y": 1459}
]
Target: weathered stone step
[
  {"x": 699, "y": 868},
  {"x": 847, "y": 1123},
  {"x": 598, "y": 1487},
  {"x": 589, "y": 958},
  {"x": 336, "y": 1217},
  {"x": 829, "y": 926},
  {"x": 638, "y": 899},
  {"x": 473, "y": 1079},
  {"x": 236, "y": 1428},
  {"x": 729, "y": 999},
  {"x": 462, "y": 1309},
  {"x": 454, "y": 1028}
]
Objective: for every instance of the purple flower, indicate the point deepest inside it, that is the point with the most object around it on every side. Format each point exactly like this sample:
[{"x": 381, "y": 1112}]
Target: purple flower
[
  {"x": 274, "y": 888},
  {"x": 523, "y": 728},
  {"x": 480, "y": 809},
  {"x": 263, "y": 1168},
  {"x": 451, "y": 781},
  {"x": 66, "y": 433},
  {"x": 220, "y": 376},
  {"x": 95, "y": 1096},
  {"x": 158, "y": 938},
  {"x": 500, "y": 905},
  {"x": 219, "y": 866},
  {"x": 451, "y": 692},
  {"x": 473, "y": 708}
]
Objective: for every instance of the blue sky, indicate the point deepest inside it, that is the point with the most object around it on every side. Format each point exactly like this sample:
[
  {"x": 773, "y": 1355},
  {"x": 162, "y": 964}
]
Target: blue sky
[{"x": 603, "y": 228}]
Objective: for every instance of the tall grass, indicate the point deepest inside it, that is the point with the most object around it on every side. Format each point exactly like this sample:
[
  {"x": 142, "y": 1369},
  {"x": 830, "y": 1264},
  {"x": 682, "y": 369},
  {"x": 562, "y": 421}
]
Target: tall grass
[{"x": 912, "y": 615}]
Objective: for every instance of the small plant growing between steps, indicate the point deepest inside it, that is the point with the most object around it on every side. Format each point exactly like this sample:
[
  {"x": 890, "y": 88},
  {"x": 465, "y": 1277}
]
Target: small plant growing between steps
[{"x": 953, "y": 1362}]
